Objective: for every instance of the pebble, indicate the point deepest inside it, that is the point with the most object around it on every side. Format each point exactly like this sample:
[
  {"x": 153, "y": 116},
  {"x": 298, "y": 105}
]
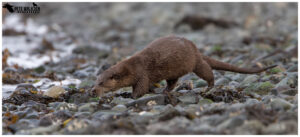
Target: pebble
[
  {"x": 54, "y": 91},
  {"x": 120, "y": 108},
  {"x": 189, "y": 98},
  {"x": 200, "y": 83},
  {"x": 159, "y": 99},
  {"x": 222, "y": 81},
  {"x": 121, "y": 100},
  {"x": 90, "y": 107},
  {"x": 248, "y": 80},
  {"x": 278, "y": 103}
]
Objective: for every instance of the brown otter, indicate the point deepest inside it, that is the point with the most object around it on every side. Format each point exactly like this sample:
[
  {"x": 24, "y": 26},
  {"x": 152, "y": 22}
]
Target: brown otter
[{"x": 166, "y": 58}]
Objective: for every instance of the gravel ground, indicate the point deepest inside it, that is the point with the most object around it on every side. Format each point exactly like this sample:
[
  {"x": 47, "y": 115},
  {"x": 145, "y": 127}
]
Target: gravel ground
[{"x": 51, "y": 60}]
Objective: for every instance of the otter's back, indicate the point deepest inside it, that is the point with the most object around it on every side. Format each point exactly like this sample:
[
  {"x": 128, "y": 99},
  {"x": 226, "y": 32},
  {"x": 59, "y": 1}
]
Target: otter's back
[{"x": 169, "y": 57}]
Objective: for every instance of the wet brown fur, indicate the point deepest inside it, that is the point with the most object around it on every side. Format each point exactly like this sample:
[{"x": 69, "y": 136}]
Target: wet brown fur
[{"x": 167, "y": 58}]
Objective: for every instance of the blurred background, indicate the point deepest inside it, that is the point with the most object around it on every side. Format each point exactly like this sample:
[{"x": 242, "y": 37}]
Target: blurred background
[{"x": 69, "y": 44}]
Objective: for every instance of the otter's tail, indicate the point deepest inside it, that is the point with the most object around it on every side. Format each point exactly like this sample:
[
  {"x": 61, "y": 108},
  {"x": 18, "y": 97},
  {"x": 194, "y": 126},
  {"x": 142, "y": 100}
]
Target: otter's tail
[{"x": 218, "y": 65}]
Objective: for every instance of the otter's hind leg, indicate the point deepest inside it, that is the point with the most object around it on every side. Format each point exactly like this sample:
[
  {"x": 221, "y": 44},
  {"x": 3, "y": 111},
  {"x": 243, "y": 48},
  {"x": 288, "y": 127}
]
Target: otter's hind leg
[{"x": 204, "y": 71}]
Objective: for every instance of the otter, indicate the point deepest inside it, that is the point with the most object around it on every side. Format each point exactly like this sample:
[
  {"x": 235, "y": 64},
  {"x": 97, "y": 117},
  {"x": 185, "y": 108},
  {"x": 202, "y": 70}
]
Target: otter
[{"x": 166, "y": 58}]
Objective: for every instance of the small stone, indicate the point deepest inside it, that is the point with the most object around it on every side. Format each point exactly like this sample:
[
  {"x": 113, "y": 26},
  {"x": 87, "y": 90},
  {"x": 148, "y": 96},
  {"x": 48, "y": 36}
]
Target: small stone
[
  {"x": 189, "y": 98},
  {"x": 33, "y": 115},
  {"x": 278, "y": 103},
  {"x": 286, "y": 82},
  {"x": 66, "y": 106},
  {"x": 234, "y": 83},
  {"x": 82, "y": 114},
  {"x": 290, "y": 92},
  {"x": 248, "y": 80},
  {"x": 159, "y": 99},
  {"x": 121, "y": 100},
  {"x": 222, "y": 81},
  {"x": 274, "y": 91},
  {"x": 231, "y": 123},
  {"x": 252, "y": 101},
  {"x": 205, "y": 101},
  {"x": 90, "y": 107},
  {"x": 120, "y": 108},
  {"x": 25, "y": 86},
  {"x": 45, "y": 121},
  {"x": 54, "y": 91},
  {"x": 238, "y": 77},
  {"x": 200, "y": 83},
  {"x": 285, "y": 127},
  {"x": 169, "y": 113},
  {"x": 62, "y": 115},
  {"x": 293, "y": 68}
]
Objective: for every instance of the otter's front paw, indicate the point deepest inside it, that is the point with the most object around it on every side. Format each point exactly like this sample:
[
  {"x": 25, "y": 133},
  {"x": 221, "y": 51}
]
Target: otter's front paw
[{"x": 135, "y": 95}]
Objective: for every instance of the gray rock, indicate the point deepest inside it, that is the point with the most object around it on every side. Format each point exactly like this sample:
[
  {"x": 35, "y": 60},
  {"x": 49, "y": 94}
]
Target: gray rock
[
  {"x": 189, "y": 98},
  {"x": 234, "y": 84},
  {"x": 61, "y": 115},
  {"x": 238, "y": 77},
  {"x": 261, "y": 88},
  {"x": 175, "y": 126},
  {"x": 90, "y": 107},
  {"x": 274, "y": 91},
  {"x": 67, "y": 106},
  {"x": 293, "y": 68},
  {"x": 248, "y": 80},
  {"x": 231, "y": 123},
  {"x": 222, "y": 81},
  {"x": 81, "y": 74},
  {"x": 41, "y": 130},
  {"x": 121, "y": 100},
  {"x": 159, "y": 100},
  {"x": 82, "y": 114},
  {"x": 279, "y": 103},
  {"x": 250, "y": 127},
  {"x": 23, "y": 124},
  {"x": 54, "y": 91},
  {"x": 200, "y": 83},
  {"x": 77, "y": 126},
  {"x": 120, "y": 108},
  {"x": 286, "y": 82},
  {"x": 169, "y": 113},
  {"x": 105, "y": 114},
  {"x": 183, "y": 91},
  {"x": 26, "y": 86},
  {"x": 286, "y": 127},
  {"x": 32, "y": 115},
  {"x": 290, "y": 92},
  {"x": 296, "y": 99},
  {"x": 205, "y": 101},
  {"x": 267, "y": 99},
  {"x": 9, "y": 107},
  {"x": 79, "y": 98},
  {"x": 251, "y": 101},
  {"x": 45, "y": 121}
]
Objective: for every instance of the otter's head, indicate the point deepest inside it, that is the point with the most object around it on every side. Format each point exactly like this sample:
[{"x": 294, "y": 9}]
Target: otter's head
[{"x": 116, "y": 77}]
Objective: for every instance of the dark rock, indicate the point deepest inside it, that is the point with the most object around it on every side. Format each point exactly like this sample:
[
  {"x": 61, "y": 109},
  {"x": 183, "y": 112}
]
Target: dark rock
[
  {"x": 45, "y": 121},
  {"x": 169, "y": 113},
  {"x": 159, "y": 99}
]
